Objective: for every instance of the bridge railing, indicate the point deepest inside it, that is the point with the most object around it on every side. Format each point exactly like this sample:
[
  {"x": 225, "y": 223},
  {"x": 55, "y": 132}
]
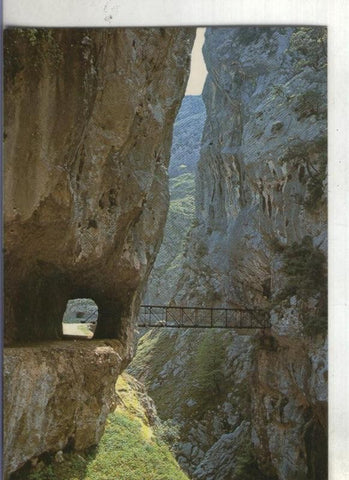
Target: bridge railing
[{"x": 201, "y": 317}]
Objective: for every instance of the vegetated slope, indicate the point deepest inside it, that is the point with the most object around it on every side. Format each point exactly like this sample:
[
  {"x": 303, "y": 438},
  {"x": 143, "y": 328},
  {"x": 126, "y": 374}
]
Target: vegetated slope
[
  {"x": 189, "y": 376},
  {"x": 260, "y": 240},
  {"x": 165, "y": 274},
  {"x": 184, "y": 156},
  {"x": 131, "y": 448}
]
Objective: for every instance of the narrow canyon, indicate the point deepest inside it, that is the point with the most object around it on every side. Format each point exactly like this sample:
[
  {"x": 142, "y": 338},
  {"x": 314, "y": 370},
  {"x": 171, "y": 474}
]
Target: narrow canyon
[{"x": 121, "y": 188}]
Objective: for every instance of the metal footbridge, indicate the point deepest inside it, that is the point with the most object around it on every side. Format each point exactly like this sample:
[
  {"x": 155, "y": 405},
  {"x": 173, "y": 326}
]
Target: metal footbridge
[{"x": 160, "y": 316}]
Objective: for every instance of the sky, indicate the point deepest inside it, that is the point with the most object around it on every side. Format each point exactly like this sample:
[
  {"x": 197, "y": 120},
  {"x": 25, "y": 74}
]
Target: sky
[{"x": 198, "y": 70}]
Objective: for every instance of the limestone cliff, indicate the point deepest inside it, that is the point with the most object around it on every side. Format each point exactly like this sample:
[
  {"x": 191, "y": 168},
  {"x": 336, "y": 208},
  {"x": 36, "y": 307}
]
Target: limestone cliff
[
  {"x": 87, "y": 136},
  {"x": 261, "y": 179},
  {"x": 187, "y": 133},
  {"x": 57, "y": 396},
  {"x": 88, "y": 126},
  {"x": 202, "y": 381},
  {"x": 260, "y": 241},
  {"x": 261, "y": 208}
]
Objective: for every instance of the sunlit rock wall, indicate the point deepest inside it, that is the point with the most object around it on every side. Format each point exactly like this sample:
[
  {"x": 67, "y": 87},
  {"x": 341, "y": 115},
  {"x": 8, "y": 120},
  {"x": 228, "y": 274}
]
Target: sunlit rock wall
[{"x": 261, "y": 234}]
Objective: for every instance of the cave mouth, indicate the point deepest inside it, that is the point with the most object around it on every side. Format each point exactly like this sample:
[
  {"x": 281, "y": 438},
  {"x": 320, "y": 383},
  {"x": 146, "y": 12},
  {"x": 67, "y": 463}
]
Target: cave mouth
[{"x": 80, "y": 318}]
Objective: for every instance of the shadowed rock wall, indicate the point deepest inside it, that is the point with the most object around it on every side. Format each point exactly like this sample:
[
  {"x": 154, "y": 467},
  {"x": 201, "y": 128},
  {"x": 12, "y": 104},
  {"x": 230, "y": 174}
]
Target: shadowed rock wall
[
  {"x": 88, "y": 126},
  {"x": 185, "y": 153},
  {"x": 87, "y": 135},
  {"x": 57, "y": 396}
]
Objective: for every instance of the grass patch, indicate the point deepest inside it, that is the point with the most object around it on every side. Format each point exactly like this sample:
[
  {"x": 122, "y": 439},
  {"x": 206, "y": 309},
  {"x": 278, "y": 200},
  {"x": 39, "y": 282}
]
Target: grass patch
[{"x": 127, "y": 453}]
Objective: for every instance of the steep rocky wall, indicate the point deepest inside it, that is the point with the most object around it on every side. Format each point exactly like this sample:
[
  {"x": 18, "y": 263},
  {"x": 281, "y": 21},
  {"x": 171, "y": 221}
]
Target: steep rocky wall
[
  {"x": 87, "y": 136},
  {"x": 201, "y": 381},
  {"x": 261, "y": 238},
  {"x": 88, "y": 126},
  {"x": 57, "y": 397},
  {"x": 261, "y": 177}
]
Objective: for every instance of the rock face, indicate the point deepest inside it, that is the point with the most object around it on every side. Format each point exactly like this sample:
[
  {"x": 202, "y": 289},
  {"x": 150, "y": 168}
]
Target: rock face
[
  {"x": 80, "y": 310},
  {"x": 185, "y": 152},
  {"x": 201, "y": 380},
  {"x": 260, "y": 241},
  {"x": 133, "y": 432},
  {"x": 88, "y": 128},
  {"x": 57, "y": 396},
  {"x": 262, "y": 172},
  {"x": 87, "y": 136}
]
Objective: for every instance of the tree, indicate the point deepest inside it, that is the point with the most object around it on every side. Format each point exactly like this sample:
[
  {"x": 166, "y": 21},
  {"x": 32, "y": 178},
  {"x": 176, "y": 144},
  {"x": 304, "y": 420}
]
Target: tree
[{"x": 209, "y": 367}]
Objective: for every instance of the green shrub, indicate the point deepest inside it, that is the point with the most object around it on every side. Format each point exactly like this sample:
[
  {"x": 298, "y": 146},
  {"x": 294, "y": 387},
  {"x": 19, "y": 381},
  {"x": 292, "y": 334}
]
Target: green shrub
[
  {"x": 47, "y": 473},
  {"x": 305, "y": 267},
  {"x": 303, "y": 152},
  {"x": 311, "y": 159},
  {"x": 209, "y": 368},
  {"x": 311, "y": 43},
  {"x": 315, "y": 187},
  {"x": 310, "y": 103},
  {"x": 276, "y": 246},
  {"x": 201, "y": 249},
  {"x": 315, "y": 325},
  {"x": 247, "y": 467},
  {"x": 248, "y": 35},
  {"x": 265, "y": 342},
  {"x": 167, "y": 432}
]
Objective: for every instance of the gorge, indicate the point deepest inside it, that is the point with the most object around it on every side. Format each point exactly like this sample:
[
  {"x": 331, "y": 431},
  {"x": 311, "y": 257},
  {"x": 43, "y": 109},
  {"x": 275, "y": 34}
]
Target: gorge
[{"x": 86, "y": 200}]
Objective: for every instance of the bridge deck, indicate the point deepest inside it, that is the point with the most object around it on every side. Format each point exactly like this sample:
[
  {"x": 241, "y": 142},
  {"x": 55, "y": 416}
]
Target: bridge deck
[{"x": 156, "y": 316}]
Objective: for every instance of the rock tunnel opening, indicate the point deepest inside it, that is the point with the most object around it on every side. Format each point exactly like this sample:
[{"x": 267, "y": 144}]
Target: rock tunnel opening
[
  {"x": 80, "y": 318},
  {"x": 36, "y": 308}
]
